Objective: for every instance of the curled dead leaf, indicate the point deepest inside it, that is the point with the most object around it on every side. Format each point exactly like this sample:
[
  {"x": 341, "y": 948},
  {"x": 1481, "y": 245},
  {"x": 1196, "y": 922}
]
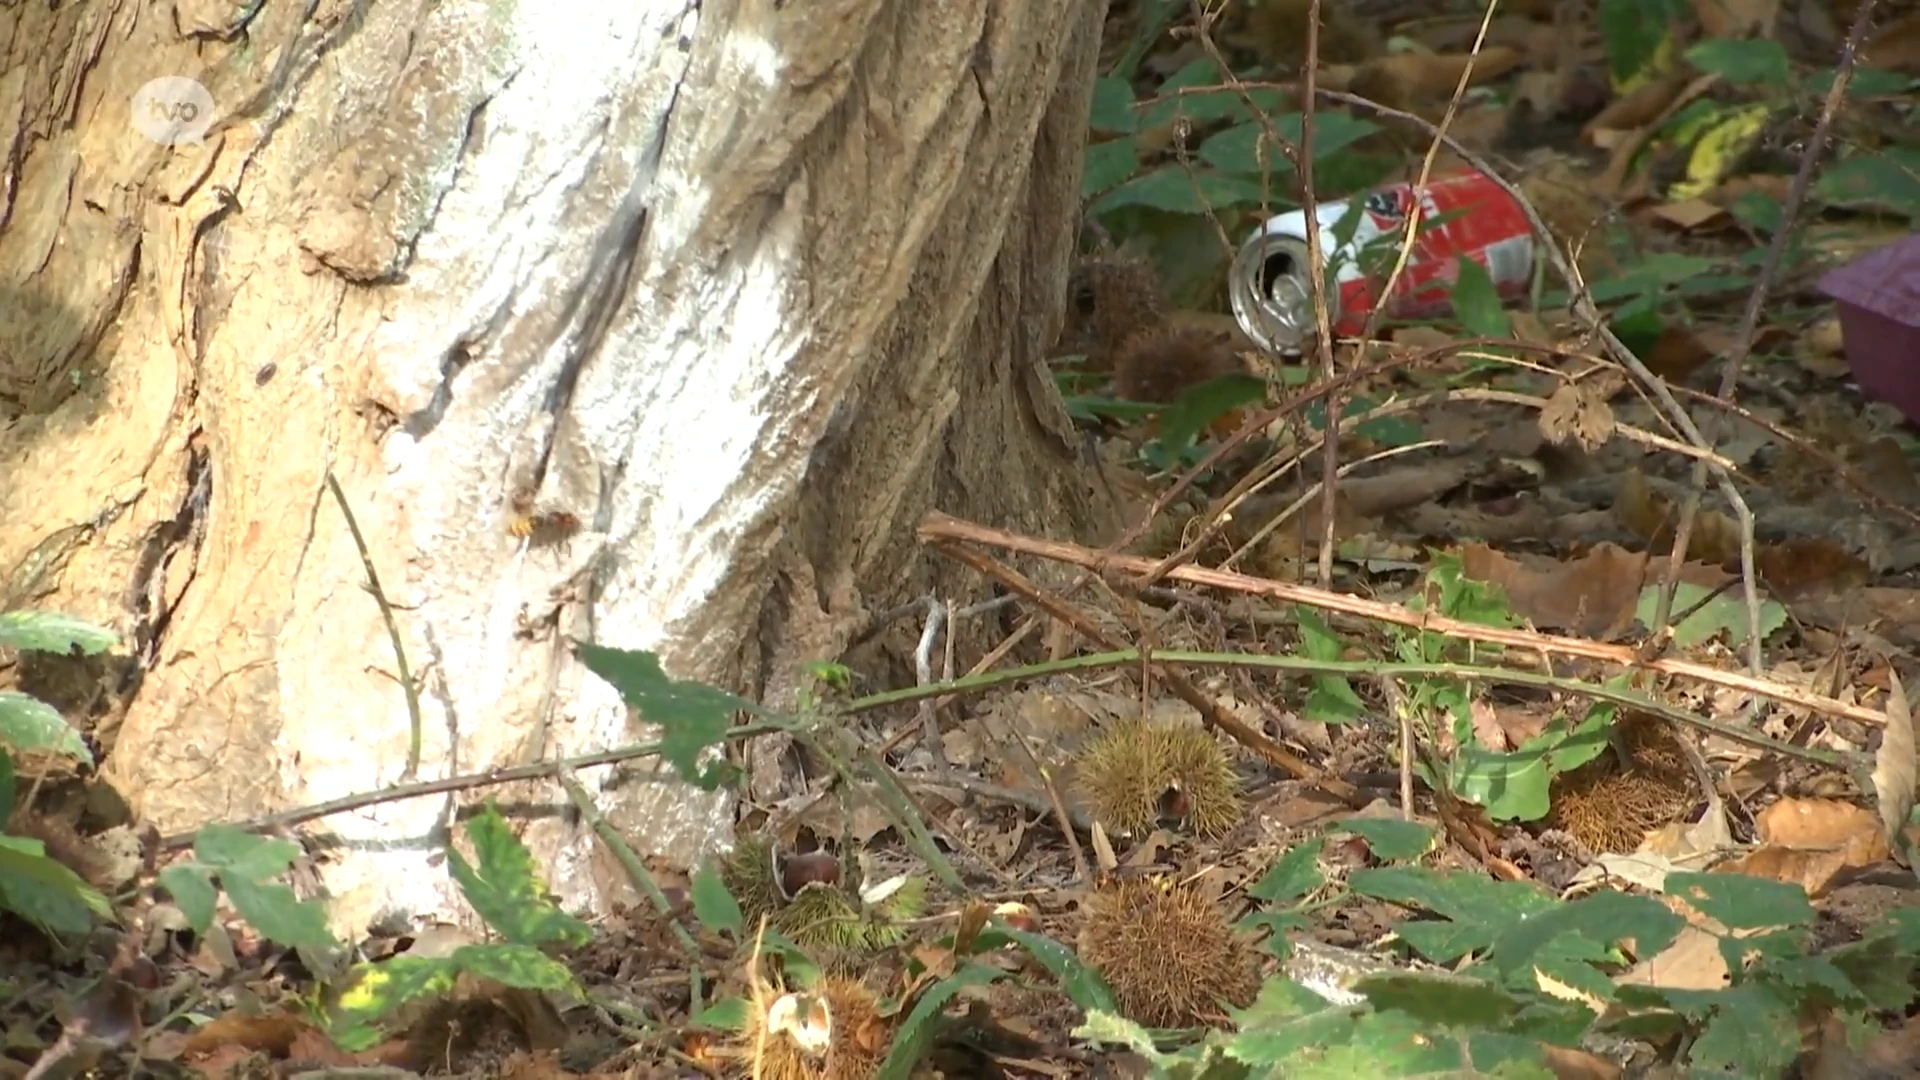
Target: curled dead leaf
[{"x": 1893, "y": 764}]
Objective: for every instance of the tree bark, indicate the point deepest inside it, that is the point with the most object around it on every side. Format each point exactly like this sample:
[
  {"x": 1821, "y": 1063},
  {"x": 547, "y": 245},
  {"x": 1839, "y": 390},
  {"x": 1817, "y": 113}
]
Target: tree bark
[{"x": 746, "y": 286}]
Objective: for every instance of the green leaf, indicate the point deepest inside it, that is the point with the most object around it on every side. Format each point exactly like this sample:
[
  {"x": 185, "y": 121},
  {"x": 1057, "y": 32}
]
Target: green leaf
[
  {"x": 6, "y": 783},
  {"x": 1511, "y": 786},
  {"x": 1753, "y": 1033},
  {"x": 1602, "y": 918},
  {"x": 1112, "y": 1029},
  {"x": 1108, "y": 165},
  {"x": 1477, "y": 909},
  {"x": 1883, "y": 180},
  {"x": 27, "y": 723},
  {"x": 1391, "y": 839},
  {"x": 379, "y": 989},
  {"x": 1754, "y": 62},
  {"x": 280, "y": 916},
  {"x": 1477, "y": 303},
  {"x": 1112, "y": 110},
  {"x": 235, "y": 853},
  {"x": 1245, "y": 148},
  {"x": 713, "y": 905},
  {"x": 506, "y": 890},
  {"x": 511, "y": 964},
  {"x": 1216, "y": 103},
  {"x": 917, "y": 1032},
  {"x": 191, "y": 886},
  {"x": 1171, "y": 189},
  {"x": 1725, "y": 613},
  {"x": 1293, "y": 875},
  {"x": 727, "y": 1014},
  {"x": 1332, "y": 699},
  {"x": 1081, "y": 983},
  {"x": 1631, "y": 32},
  {"x": 1199, "y": 406},
  {"x": 1740, "y": 902},
  {"x": 1438, "y": 998},
  {"x": 44, "y": 892},
  {"x": 692, "y": 716},
  {"x": 48, "y": 631},
  {"x": 1866, "y": 82}
]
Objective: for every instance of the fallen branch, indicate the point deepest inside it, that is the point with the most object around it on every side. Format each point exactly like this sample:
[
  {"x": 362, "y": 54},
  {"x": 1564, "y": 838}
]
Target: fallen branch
[{"x": 944, "y": 529}]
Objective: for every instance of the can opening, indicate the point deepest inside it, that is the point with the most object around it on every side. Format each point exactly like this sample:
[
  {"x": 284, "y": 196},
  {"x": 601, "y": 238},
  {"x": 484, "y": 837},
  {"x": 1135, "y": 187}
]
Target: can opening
[{"x": 1280, "y": 264}]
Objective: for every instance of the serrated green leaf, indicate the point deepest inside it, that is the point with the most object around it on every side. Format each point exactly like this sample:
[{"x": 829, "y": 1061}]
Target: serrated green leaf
[
  {"x": 50, "y": 631},
  {"x": 1112, "y": 1029},
  {"x": 280, "y": 916},
  {"x": 713, "y": 905},
  {"x": 1741, "y": 902},
  {"x": 1751, "y": 62},
  {"x": 1477, "y": 303},
  {"x": 1107, "y": 165},
  {"x": 505, "y": 889},
  {"x": 917, "y": 1031},
  {"x": 44, "y": 892},
  {"x": 1813, "y": 980},
  {"x": 191, "y": 886},
  {"x": 1391, "y": 839},
  {"x": 692, "y": 716},
  {"x": 1752, "y": 1033},
  {"x": 1295, "y": 874},
  {"x": 521, "y": 966},
  {"x": 1603, "y": 918},
  {"x": 1112, "y": 109},
  {"x": 1082, "y": 984},
  {"x": 379, "y": 989},
  {"x": 1477, "y": 909},
  {"x": 27, "y": 723},
  {"x": 235, "y": 853},
  {"x": 1245, "y": 148},
  {"x": 1171, "y": 189}
]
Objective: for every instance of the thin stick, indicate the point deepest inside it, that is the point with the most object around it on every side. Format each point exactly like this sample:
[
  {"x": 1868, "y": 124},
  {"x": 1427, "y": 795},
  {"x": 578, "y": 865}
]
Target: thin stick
[
  {"x": 393, "y": 631},
  {"x": 1750, "y": 318}
]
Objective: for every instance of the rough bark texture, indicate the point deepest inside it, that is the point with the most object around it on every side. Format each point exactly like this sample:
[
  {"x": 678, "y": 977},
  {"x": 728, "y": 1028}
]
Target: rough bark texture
[{"x": 747, "y": 287}]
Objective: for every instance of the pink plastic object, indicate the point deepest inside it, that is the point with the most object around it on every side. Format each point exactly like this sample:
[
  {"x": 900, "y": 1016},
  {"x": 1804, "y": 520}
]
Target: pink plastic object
[{"x": 1879, "y": 300}]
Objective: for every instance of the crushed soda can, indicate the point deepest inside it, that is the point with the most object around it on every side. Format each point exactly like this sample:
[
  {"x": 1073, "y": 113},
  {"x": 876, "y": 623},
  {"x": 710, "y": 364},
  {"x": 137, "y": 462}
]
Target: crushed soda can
[{"x": 1462, "y": 215}]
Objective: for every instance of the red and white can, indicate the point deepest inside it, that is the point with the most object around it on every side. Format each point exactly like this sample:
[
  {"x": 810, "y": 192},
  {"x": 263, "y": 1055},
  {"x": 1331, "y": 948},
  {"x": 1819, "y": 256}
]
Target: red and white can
[{"x": 1268, "y": 283}]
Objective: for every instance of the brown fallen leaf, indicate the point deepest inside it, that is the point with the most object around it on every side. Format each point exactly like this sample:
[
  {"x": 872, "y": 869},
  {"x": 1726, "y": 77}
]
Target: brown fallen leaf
[
  {"x": 1578, "y": 414},
  {"x": 1691, "y": 214},
  {"x": 1893, "y": 763},
  {"x": 1896, "y": 46}
]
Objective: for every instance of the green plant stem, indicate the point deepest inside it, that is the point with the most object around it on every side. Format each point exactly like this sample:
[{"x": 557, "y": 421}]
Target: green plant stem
[
  {"x": 393, "y": 631},
  {"x": 1377, "y": 668},
  {"x": 629, "y": 860}
]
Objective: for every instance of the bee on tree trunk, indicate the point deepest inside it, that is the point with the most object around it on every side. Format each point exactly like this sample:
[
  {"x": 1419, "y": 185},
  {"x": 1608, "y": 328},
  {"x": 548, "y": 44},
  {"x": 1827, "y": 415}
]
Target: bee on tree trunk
[{"x": 541, "y": 527}]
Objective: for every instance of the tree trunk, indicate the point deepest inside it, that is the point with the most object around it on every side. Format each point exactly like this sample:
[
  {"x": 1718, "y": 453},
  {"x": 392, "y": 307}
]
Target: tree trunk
[{"x": 745, "y": 286}]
